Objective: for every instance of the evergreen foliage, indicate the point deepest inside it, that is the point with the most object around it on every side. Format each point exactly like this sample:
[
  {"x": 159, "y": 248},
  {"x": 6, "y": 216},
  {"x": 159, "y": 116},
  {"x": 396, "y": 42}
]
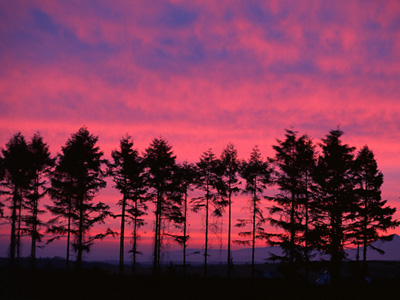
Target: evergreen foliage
[
  {"x": 77, "y": 179},
  {"x": 257, "y": 174},
  {"x": 127, "y": 170}
]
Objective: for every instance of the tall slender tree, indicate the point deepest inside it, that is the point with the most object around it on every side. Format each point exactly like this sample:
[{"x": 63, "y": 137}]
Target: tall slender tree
[
  {"x": 209, "y": 181},
  {"x": 160, "y": 165},
  {"x": 229, "y": 169},
  {"x": 373, "y": 215},
  {"x": 127, "y": 170},
  {"x": 257, "y": 174},
  {"x": 78, "y": 178},
  {"x": 16, "y": 162},
  {"x": 185, "y": 177},
  {"x": 334, "y": 178},
  {"x": 40, "y": 165}
]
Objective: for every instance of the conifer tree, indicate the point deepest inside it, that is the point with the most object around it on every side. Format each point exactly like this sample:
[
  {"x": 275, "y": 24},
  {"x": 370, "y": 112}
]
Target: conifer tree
[
  {"x": 229, "y": 169},
  {"x": 160, "y": 165},
  {"x": 209, "y": 181},
  {"x": 127, "y": 170},
  {"x": 185, "y": 177},
  {"x": 287, "y": 173},
  {"x": 17, "y": 176},
  {"x": 307, "y": 159},
  {"x": 77, "y": 179},
  {"x": 257, "y": 175},
  {"x": 2, "y": 192},
  {"x": 334, "y": 178},
  {"x": 40, "y": 164},
  {"x": 373, "y": 215}
]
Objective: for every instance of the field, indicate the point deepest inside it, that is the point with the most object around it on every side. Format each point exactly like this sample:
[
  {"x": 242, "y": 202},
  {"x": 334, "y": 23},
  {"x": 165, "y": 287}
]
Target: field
[{"x": 101, "y": 281}]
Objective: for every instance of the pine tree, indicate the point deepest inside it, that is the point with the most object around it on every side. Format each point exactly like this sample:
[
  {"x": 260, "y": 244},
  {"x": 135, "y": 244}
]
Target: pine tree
[
  {"x": 257, "y": 175},
  {"x": 287, "y": 206},
  {"x": 160, "y": 164},
  {"x": 209, "y": 181},
  {"x": 185, "y": 177},
  {"x": 127, "y": 170},
  {"x": 373, "y": 215},
  {"x": 16, "y": 162},
  {"x": 2, "y": 192},
  {"x": 40, "y": 164},
  {"x": 229, "y": 168},
  {"x": 306, "y": 158},
  {"x": 77, "y": 179},
  {"x": 334, "y": 178}
]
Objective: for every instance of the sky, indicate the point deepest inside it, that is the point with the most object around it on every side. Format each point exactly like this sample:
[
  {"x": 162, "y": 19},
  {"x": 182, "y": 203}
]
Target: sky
[{"x": 202, "y": 74}]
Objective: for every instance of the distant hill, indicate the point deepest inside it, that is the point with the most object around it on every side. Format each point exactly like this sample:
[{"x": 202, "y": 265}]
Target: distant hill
[
  {"x": 242, "y": 256},
  {"x": 391, "y": 249}
]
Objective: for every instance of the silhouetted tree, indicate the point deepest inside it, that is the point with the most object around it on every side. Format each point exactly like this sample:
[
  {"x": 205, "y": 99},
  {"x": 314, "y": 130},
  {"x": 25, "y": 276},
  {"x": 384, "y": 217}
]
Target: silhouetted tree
[
  {"x": 229, "y": 168},
  {"x": 40, "y": 164},
  {"x": 77, "y": 179},
  {"x": 306, "y": 158},
  {"x": 209, "y": 181},
  {"x": 334, "y": 178},
  {"x": 257, "y": 174},
  {"x": 287, "y": 207},
  {"x": 160, "y": 163},
  {"x": 373, "y": 215},
  {"x": 2, "y": 192},
  {"x": 127, "y": 170},
  {"x": 16, "y": 162},
  {"x": 185, "y": 177}
]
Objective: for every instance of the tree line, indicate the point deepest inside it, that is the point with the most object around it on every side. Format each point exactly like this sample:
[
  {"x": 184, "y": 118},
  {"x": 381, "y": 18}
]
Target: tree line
[{"x": 324, "y": 201}]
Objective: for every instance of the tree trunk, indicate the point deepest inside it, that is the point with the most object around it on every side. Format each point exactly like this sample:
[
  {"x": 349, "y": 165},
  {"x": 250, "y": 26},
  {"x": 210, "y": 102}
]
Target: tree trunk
[
  {"x": 34, "y": 224},
  {"x": 68, "y": 235},
  {"x": 184, "y": 234},
  {"x": 19, "y": 230},
  {"x": 122, "y": 238},
  {"x": 229, "y": 232},
  {"x": 206, "y": 237},
  {"x": 13, "y": 227},
  {"x": 254, "y": 228},
  {"x": 80, "y": 236}
]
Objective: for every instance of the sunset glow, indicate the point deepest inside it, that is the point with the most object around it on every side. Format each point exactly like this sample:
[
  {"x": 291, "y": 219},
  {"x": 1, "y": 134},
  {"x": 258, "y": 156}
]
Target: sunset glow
[{"x": 202, "y": 74}]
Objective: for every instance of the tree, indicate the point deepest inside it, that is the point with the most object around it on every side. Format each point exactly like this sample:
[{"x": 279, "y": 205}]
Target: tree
[
  {"x": 16, "y": 162},
  {"x": 373, "y": 216},
  {"x": 334, "y": 178},
  {"x": 77, "y": 179},
  {"x": 40, "y": 164},
  {"x": 128, "y": 174},
  {"x": 306, "y": 158},
  {"x": 2, "y": 176},
  {"x": 185, "y": 177},
  {"x": 230, "y": 168},
  {"x": 257, "y": 175},
  {"x": 209, "y": 181},
  {"x": 160, "y": 165},
  {"x": 287, "y": 177}
]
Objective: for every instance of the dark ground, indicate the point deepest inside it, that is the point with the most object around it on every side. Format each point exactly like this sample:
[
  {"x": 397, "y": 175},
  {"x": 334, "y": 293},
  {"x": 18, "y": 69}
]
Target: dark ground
[{"x": 100, "y": 281}]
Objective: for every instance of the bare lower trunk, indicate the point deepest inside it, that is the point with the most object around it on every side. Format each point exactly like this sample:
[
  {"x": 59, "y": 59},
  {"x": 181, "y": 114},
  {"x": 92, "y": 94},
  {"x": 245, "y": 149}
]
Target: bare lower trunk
[
  {"x": 229, "y": 234},
  {"x": 206, "y": 237},
  {"x": 13, "y": 227},
  {"x": 184, "y": 235},
  {"x": 122, "y": 238},
  {"x": 253, "y": 233}
]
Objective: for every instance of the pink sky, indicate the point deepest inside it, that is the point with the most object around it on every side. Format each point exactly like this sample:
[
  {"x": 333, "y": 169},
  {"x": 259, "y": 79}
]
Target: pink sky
[{"x": 202, "y": 74}]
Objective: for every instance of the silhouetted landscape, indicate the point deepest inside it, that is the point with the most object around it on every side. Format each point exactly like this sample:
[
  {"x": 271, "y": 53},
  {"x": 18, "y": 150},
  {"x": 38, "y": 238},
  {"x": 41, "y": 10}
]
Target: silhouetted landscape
[{"x": 328, "y": 211}]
